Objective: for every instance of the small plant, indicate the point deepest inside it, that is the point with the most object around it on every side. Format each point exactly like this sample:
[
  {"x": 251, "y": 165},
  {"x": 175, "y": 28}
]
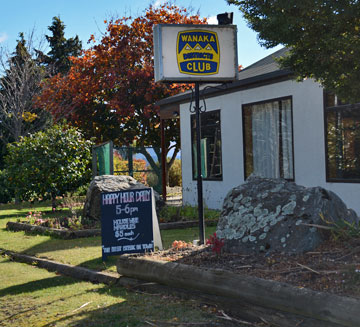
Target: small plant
[
  {"x": 180, "y": 245},
  {"x": 35, "y": 218},
  {"x": 342, "y": 230},
  {"x": 215, "y": 243}
]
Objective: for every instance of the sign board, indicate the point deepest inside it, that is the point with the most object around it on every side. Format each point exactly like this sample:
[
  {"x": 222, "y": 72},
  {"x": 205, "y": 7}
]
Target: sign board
[
  {"x": 128, "y": 222},
  {"x": 195, "y": 53}
]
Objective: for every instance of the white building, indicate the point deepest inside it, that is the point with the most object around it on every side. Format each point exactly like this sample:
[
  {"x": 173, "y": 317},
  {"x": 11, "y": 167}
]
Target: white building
[{"x": 270, "y": 125}]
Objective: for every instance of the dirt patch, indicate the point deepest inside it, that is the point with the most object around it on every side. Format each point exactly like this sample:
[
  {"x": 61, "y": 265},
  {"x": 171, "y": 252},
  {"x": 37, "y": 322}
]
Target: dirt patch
[{"x": 334, "y": 267}]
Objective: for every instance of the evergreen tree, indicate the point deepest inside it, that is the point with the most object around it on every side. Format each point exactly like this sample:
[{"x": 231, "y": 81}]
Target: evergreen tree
[{"x": 57, "y": 59}]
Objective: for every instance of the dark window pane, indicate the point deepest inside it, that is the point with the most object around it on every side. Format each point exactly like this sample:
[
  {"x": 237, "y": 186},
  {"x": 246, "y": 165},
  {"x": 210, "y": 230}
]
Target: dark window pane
[
  {"x": 343, "y": 143},
  {"x": 211, "y": 165},
  {"x": 248, "y": 144},
  {"x": 331, "y": 100}
]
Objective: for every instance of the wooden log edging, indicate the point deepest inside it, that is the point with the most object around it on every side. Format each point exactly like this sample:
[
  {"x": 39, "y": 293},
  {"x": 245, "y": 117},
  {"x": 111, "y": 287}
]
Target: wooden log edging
[
  {"x": 185, "y": 224},
  {"x": 69, "y": 234},
  {"x": 62, "y": 233},
  {"x": 327, "y": 307},
  {"x": 64, "y": 269}
]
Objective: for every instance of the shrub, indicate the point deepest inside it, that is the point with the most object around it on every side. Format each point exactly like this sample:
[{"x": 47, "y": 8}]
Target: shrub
[
  {"x": 175, "y": 174},
  {"x": 152, "y": 179},
  {"x": 6, "y": 192},
  {"x": 49, "y": 163}
]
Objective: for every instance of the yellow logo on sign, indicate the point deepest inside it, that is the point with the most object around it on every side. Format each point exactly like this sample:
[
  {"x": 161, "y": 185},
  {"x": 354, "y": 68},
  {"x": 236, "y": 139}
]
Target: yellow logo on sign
[{"x": 198, "y": 52}]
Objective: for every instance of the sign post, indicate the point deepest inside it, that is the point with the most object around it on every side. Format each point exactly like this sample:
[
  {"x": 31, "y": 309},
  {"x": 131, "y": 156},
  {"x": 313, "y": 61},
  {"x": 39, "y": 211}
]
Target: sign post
[
  {"x": 198, "y": 164},
  {"x": 196, "y": 54},
  {"x": 128, "y": 222}
]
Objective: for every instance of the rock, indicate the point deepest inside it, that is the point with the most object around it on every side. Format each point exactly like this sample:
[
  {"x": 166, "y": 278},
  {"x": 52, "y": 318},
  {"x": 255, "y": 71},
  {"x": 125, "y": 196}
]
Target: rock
[
  {"x": 271, "y": 215},
  {"x": 108, "y": 183}
]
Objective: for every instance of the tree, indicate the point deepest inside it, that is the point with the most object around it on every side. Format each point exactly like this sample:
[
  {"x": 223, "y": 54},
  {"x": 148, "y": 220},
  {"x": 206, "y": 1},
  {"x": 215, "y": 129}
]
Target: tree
[
  {"x": 110, "y": 90},
  {"x": 61, "y": 49},
  {"x": 322, "y": 37},
  {"x": 49, "y": 163},
  {"x": 19, "y": 83}
]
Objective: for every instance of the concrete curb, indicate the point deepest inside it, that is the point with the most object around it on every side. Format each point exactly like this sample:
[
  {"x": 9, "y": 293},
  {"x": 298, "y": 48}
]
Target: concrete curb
[{"x": 326, "y": 307}]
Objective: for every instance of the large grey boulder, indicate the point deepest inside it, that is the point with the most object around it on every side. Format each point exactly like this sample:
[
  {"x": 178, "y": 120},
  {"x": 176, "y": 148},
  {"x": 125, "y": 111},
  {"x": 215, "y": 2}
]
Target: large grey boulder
[
  {"x": 107, "y": 183},
  {"x": 273, "y": 215}
]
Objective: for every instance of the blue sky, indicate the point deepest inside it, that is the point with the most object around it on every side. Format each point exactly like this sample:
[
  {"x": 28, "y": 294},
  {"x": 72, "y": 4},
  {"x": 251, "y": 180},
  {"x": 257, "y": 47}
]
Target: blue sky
[{"x": 86, "y": 17}]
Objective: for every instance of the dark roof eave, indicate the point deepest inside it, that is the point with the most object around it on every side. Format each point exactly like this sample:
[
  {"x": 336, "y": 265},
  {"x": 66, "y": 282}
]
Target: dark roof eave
[{"x": 252, "y": 82}]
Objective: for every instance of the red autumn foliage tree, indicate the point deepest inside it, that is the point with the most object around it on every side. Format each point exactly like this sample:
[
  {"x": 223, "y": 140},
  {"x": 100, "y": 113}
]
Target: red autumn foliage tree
[{"x": 110, "y": 91}]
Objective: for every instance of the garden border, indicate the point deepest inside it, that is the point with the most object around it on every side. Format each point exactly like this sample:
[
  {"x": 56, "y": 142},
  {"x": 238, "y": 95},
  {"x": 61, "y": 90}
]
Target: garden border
[
  {"x": 326, "y": 307},
  {"x": 70, "y": 234},
  {"x": 70, "y": 270},
  {"x": 242, "y": 305},
  {"x": 62, "y": 233}
]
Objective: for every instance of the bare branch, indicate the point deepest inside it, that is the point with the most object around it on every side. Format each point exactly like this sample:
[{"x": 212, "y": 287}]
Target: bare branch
[{"x": 19, "y": 83}]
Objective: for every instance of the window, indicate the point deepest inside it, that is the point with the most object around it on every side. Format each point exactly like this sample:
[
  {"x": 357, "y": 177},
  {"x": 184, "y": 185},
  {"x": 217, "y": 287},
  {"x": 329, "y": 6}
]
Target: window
[
  {"x": 211, "y": 165},
  {"x": 342, "y": 123},
  {"x": 268, "y": 139}
]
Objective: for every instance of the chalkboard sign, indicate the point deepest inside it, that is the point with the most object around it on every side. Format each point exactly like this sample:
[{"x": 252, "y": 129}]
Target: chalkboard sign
[{"x": 128, "y": 222}]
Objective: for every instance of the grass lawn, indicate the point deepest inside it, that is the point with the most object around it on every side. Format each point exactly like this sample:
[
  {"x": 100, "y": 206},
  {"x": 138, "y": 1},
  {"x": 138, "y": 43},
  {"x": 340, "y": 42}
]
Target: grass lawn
[
  {"x": 84, "y": 252},
  {"x": 30, "y": 296}
]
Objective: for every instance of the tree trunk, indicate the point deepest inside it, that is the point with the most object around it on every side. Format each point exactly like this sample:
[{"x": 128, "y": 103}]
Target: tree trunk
[{"x": 53, "y": 201}]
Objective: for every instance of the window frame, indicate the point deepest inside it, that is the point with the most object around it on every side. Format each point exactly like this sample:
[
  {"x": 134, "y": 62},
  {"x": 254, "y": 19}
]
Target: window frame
[
  {"x": 279, "y": 99},
  {"x": 336, "y": 108},
  {"x": 219, "y": 179}
]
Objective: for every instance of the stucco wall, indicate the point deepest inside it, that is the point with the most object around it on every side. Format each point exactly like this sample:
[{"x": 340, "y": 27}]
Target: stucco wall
[{"x": 309, "y": 143}]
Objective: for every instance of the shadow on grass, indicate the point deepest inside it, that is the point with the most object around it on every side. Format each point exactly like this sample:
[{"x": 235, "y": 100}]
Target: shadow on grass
[
  {"x": 25, "y": 205},
  {"x": 13, "y": 215},
  {"x": 98, "y": 264},
  {"x": 21, "y": 214},
  {"x": 143, "y": 311},
  {"x": 38, "y": 285},
  {"x": 115, "y": 315},
  {"x": 56, "y": 244}
]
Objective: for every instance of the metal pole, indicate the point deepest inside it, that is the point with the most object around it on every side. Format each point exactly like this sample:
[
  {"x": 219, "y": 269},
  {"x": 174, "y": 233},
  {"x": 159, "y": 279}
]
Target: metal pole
[
  {"x": 130, "y": 161},
  {"x": 198, "y": 161},
  {"x": 163, "y": 160},
  {"x": 111, "y": 158}
]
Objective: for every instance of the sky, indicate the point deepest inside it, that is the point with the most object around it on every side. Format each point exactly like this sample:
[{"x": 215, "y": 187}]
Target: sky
[{"x": 86, "y": 17}]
